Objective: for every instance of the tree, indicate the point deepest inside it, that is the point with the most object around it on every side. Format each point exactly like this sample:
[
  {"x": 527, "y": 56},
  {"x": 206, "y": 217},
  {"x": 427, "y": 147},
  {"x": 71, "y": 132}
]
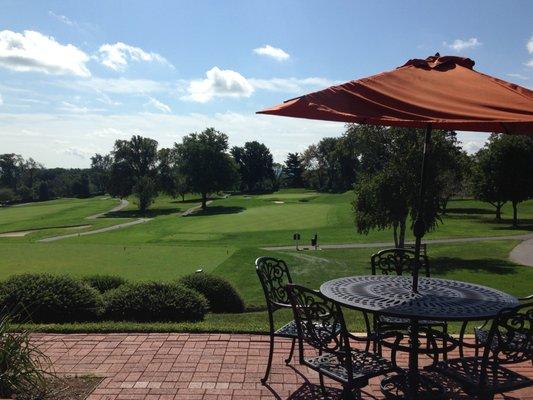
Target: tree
[
  {"x": 134, "y": 161},
  {"x": 255, "y": 166},
  {"x": 203, "y": 159},
  {"x": 11, "y": 167},
  {"x": 386, "y": 193},
  {"x": 80, "y": 187},
  {"x": 503, "y": 172},
  {"x": 145, "y": 190},
  {"x": 100, "y": 171},
  {"x": 293, "y": 171}
]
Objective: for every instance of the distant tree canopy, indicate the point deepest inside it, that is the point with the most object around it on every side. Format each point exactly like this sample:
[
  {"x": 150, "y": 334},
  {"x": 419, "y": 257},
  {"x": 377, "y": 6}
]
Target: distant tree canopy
[
  {"x": 255, "y": 166},
  {"x": 204, "y": 160},
  {"x": 503, "y": 171},
  {"x": 293, "y": 171},
  {"x": 387, "y": 189}
]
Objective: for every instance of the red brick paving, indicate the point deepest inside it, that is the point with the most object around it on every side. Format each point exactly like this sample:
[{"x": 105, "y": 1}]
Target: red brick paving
[{"x": 188, "y": 366}]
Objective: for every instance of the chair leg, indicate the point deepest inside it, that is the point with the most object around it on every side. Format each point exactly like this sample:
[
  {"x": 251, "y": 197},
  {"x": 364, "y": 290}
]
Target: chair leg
[
  {"x": 445, "y": 342},
  {"x": 322, "y": 386},
  {"x": 288, "y": 360},
  {"x": 269, "y": 364},
  {"x": 347, "y": 394}
]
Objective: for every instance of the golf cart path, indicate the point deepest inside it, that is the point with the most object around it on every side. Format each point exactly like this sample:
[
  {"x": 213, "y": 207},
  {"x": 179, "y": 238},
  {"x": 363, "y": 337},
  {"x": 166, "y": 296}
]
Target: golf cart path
[
  {"x": 521, "y": 254},
  {"x": 123, "y": 203}
]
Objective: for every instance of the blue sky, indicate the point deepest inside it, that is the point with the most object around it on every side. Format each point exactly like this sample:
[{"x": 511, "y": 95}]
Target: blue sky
[{"x": 75, "y": 76}]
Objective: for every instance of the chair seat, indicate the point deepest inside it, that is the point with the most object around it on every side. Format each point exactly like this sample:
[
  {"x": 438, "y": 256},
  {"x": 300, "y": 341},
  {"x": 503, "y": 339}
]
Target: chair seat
[
  {"x": 516, "y": 342},
  {"x": 288, "y": 330},
  {"x": 365, "y": 365},
  {"x": 466, "y": 371},
  {"x": 405, "y": 321}
]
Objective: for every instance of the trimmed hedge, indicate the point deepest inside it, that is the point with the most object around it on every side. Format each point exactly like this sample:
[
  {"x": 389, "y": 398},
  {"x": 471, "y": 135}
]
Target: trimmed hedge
[
  {"x": 153, "y": 301},
  {"x": 221, "y": 295},
  {"x": 104, "y": 283},
  {"x": 49, "y": 298}
]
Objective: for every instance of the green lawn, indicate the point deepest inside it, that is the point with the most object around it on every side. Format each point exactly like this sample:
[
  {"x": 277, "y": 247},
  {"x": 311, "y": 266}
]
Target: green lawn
[{"x": 228, "y": 237}]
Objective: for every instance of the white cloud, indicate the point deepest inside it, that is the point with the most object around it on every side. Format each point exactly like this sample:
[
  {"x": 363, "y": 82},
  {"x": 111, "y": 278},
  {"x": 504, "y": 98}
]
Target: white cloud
[
  {"x": 291, "y": 85},
  {"x": 73, "y": 108},
  {"x": 62, "y": 18},
  {"x": 117, "y": 56},
  {"x": 219, "y": 83},
  {"x": 518, "y": 76},
  {"x": 460, "y": 44},
  {"x": 1, "y": 100},
  {"x": 33, "y": 51},
  {"x": 529, "y": 47},
  {"x": 77, "y": 152},
  {"x": 273, "y": 52},
  {"x": 158, "y": 105}
]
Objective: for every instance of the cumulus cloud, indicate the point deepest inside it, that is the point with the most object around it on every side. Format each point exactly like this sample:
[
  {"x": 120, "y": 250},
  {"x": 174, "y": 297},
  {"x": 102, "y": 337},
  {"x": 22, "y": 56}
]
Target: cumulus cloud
[
  {"x": 117, "y": 56},
  {"x": 219, "y": 83},
  {"x": 33, "y": 51},
  {"x": 274, "y": 52},
  {"x": 518, "y": 76},
  {"x": 158, "y": 105},
  {"x": 460, "y": 44},
  {"x": 81, "y": 153}
]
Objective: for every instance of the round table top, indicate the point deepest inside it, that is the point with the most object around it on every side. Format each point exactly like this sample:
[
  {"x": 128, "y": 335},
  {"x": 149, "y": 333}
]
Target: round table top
[{"x": 437, "y": 299}]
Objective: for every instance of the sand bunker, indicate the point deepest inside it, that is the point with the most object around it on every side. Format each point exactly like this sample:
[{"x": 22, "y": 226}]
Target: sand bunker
[{"x": 279, "y": 202}]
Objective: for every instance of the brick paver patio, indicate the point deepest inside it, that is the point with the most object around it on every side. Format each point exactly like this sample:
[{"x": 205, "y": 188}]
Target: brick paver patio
[{"x": 190, "y": 366}]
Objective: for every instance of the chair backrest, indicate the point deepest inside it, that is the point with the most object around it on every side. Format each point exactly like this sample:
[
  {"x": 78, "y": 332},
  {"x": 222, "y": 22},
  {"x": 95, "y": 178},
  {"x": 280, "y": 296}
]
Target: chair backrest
[
  {"x": 319, "y": 321},
  {"x": 397, "y": 261},
  {"x": 511, "y": 336},
  {"x": 274, "y": 275}
]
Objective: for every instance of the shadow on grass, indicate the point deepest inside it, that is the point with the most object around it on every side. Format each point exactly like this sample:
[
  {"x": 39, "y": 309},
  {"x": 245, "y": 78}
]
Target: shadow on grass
[
  {"x": 188, "y": 201},
  {"x": 138, "y": 214},
  {"x": 444, "y": 265},
  {"x": 468, "y": 210},
  {"x": 216, "y": 210}
]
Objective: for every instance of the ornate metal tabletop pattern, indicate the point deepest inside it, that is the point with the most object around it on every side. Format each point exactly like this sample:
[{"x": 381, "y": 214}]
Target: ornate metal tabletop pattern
[{"x": 439, "y": 299}]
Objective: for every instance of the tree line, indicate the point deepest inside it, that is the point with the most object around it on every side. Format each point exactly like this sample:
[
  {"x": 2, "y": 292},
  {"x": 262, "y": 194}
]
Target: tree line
[{"x": 381, "y": 165}]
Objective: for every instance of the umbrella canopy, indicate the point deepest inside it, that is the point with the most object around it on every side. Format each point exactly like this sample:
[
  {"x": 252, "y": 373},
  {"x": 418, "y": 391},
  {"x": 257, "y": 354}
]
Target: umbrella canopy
[{"x": 444, "y": 92}]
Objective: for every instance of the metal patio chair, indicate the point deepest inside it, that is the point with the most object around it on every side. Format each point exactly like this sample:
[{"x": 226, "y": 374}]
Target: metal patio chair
[
  {"x": 509, "y": 341},
  {"x": 401, "y": 261},
  {"x": 321, "y": 325},
  {"x": 274, "y": 275}
]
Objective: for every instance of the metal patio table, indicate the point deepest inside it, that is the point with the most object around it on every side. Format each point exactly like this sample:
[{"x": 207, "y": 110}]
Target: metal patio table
[{"x": 436, "y": 299}]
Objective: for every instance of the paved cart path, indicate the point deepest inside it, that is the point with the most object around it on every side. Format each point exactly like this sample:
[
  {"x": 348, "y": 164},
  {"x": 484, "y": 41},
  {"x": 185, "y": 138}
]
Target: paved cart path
[
  {"x": 521, "y": 254},
  {"x": 123, "y": 204}
]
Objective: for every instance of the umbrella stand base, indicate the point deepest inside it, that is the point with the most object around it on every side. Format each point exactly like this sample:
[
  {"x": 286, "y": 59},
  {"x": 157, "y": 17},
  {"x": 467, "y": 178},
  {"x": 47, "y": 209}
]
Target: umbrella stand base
[{"x": 396, "y": 387}]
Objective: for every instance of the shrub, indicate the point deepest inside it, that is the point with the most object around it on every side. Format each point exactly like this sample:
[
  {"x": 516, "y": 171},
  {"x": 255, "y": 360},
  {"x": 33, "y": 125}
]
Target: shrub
[
  {"x": 49, "y": 298},
  {"x": 153, "y": 301},
  {"x": 23, "y": 367},
  {"x": 104, "y": 283},
  {"x": 221, "y": 295}
]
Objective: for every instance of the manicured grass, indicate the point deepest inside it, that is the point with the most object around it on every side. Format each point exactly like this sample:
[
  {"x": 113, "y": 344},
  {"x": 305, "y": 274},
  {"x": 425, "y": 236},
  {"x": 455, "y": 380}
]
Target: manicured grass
[
  {"x": 54, "y": 213},
  {"x": 135, "y": 262},
  {"x": 227, "y": 238}
]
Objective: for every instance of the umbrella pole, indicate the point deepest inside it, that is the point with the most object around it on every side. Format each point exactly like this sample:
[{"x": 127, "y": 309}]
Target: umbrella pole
[{"x": 419, "y": 228}]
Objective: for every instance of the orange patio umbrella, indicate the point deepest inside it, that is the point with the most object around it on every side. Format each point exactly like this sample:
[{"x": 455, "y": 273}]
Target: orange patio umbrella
[{"x": 438, "y": 92}]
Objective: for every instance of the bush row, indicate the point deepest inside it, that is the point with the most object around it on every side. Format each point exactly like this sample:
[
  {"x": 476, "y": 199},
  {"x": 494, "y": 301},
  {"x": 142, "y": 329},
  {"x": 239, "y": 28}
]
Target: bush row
[{"x": 45, "y": 298}]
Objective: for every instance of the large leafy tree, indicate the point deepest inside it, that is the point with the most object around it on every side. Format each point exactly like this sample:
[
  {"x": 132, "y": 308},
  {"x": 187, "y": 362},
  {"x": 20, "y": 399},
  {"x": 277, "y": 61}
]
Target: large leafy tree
[
  {"x": 386, "y": 193},
  {"x": 255, "y": 165},
  {"x": 503, "y": 171},
  {"x": 101, "y": 169},
  {"x": 203, "y": 158},
  {"x": 134, "y": 169}
]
